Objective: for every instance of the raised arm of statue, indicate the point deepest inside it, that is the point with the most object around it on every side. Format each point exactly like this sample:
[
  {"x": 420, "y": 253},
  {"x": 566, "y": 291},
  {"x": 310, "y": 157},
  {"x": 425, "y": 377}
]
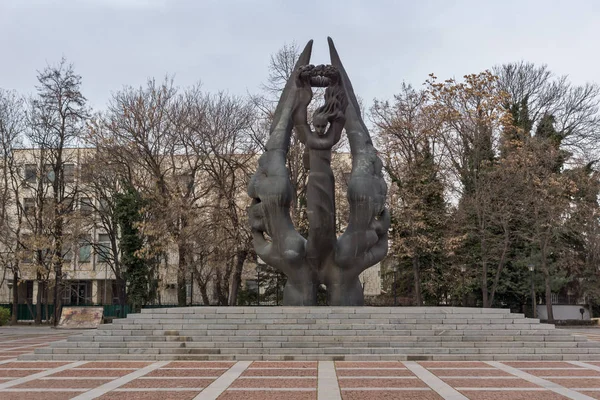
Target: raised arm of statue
[
  {"x": 275, "y": 239},
  {"x": 365, "y": 242}
]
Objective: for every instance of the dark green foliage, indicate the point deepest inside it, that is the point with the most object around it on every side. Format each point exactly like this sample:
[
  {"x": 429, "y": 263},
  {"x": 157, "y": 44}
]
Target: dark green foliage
[{"x": 128, "y": 207}]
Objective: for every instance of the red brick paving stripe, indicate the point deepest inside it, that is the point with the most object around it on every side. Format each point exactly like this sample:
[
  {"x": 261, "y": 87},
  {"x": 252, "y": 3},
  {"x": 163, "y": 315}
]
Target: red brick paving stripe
[
  {"x": 35, "y": 364},
  {"x": 18, "y": 373},
  {"x": 36, "y": 396},
  {"x": 577, "y": 383},
  {"x": 374, "y": 372},
  {"x": 280, "y": 372},
  {"x": 188, "y": 395},
  {"x": 390, "y": 395},
  {"x": 167, "y": 383},
  {"x": 186, "y": 372},
  {"x": 283, "y": 364},
  {"x": 200, "y": 364},
  {"x": 592, "y": 393},
  {"x": 270, "y": 395},
  {"x": 512, "y": 395},
  {"x": 538, "y": 364},
  {"x": 115, "y": 364},
  {"x": 563, "y": 372},
  {"x": 401, "y": 382},
  {"x": 369, "y": 364},
  {"x": 489, "y": 383},
  {"x": 469, "y": 372},
  {"x": 75, "y": 372},
  {"x": 274, "y": 383},
  {"x": 63, "y": 384},
  {"x": 453, "y": 364}
]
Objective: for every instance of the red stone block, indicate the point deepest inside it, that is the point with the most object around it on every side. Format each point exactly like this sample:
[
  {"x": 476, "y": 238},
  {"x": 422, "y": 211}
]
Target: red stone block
[
  {"x": 390, "y": 395},
  {"x": 513, "y": 395},
  {"x": 62, "y": 384},
  {"x": 280, "y": 372},
  {"x": 538, "y": 364},
  {"x": 453, "y": 364},
  {"x": 34, "y": 364},
  {"x": 284, "y": 364},
  {"x": 18, "y": 373},
  {"x": 382, "y": 383},
  {"x": 374, "y": 372},
  {"x": 115, "y": 364},
  {"x": 270, "y": 395},
  {"x": 200, "y": 364},
  {"x": 369, "y": 364},
  {"x": 275, "y": 383},
  {"x": 216, "y": 372},
  {"x": 490, "y": 383},
  {"x": 469, "y": 372},
  {"x": 38, "y": 395},
  {"x": 563, "y": 372},
  {"x": 577, "y": 383},
  {"x": 168, "y": 383},
  {"x": 92, "y": 373},
  {"x": 142, "y": 395}
]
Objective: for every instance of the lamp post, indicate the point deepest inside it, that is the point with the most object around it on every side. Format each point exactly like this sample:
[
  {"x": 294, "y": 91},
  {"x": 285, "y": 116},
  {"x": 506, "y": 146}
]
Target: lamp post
[
  {"x": 463, "y": 270},
  {"x": 533, "y": 305}
]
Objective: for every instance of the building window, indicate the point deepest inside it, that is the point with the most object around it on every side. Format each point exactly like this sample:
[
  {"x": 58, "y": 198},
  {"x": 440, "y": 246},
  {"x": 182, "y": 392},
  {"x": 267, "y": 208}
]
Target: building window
[
  {"x": 69, "y": 173},
  {"x": 30, "y": 173},
  {"x": 85, "y": 249},
  {"x": 86, "y": 206},
  {"x": 67, "y": 253},
  {"x": 103, "y": 247},
  {"x": 29, "y": 205}
]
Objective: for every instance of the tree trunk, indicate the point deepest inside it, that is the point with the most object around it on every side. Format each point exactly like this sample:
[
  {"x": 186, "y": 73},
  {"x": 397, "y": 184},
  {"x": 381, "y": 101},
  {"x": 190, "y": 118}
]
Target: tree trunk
[
  {"x": 204, "y": 294},
  {"x": 548, "y": 293},
  {"x": 236, "y": 280},
  {"x": 38, "y": 301},
  {"x": 484, "y": 287},
  {"x": 417, "y": 277},
  {"x": 181, "y": 278},
  {"x": 15, "y": 299}
]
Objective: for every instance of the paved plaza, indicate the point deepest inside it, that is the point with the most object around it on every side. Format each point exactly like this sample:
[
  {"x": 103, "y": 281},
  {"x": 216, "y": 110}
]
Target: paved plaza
[{"x": 266, "y": 380}]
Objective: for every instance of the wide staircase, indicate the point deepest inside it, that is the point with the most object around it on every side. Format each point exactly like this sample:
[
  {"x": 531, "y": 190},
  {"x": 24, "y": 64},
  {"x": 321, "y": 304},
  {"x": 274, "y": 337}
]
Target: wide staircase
[{"x": 322, "y": 333}]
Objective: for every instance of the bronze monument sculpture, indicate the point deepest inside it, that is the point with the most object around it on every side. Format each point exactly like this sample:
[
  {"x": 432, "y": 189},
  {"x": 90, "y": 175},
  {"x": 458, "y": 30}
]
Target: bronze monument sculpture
[{"x": 321, "y": 258}]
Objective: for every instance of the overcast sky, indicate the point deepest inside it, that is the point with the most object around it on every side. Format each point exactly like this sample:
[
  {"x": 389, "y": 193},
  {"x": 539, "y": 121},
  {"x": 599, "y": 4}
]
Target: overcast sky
[{"x": 226, "y": 44}]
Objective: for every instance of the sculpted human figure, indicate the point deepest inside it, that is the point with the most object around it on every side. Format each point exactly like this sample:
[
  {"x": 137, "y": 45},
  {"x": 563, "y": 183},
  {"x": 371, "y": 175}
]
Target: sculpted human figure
[{"x": 321, "y": 257}]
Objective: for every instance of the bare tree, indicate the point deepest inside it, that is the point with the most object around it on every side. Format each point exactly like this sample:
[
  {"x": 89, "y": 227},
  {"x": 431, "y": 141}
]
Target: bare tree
[
  {"x": 57, "y": 119},
  {"x": 574, "y": 107},
  {"x": 12, "y": 126}
]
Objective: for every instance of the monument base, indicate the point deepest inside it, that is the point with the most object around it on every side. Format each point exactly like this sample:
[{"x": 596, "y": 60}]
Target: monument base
[{"x": 323, "y": 333}]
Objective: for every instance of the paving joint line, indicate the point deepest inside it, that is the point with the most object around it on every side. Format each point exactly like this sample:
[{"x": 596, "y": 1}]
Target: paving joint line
[
  {"x": 446, "y": 391},
  {"x": 220, "y": 385},
  {"x": 116, "y": 383},
  {"x": 328, "y": 387},
  {"x": 555, "y": 387}
]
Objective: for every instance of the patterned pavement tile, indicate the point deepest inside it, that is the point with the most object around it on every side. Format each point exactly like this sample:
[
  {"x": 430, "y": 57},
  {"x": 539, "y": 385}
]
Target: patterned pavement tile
[
  {"x": 402, "y": 382},
  {"x": 373, "y": 372},
  {"x": 167, "y": 383},
  {"x": 281, "y": 372},
  {"x": 513, "y": 395},
  {"x": 37, "y": 395},
  {"x": 489, "y": 383},
  {"x": 270, "y": 395},
  {"x": 275, "y": 383},
  {"x": 389, "y": 395},
  {"x": 577, "y": 383},
  {"x": 468, "y": 372},
  {"x": 146, "y": 395},
  {"x": 180, "y": 372}
]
